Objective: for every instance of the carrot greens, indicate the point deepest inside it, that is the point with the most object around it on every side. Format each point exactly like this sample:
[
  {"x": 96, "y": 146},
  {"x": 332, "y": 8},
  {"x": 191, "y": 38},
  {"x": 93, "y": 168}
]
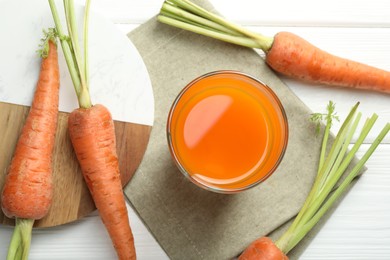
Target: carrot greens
[
  {"x": 329, "y": 184},
  {"x": 92, "y": 134},
  {"x": 285, "y": 52},
  {"x": 186, "y": 15},
  {"x": 76, "y": 62},
  {"x": 332, "y": 180}
]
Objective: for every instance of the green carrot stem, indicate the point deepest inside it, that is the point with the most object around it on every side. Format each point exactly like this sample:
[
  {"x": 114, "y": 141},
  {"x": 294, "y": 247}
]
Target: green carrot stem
[
  {"x": 19, "y": 247},
  {"x": 317, "y": 183},
  {"x": 83, "y": 97},
  {"x": 191, "y": 22},
  {"x": 187, "y": 5},
  {"x": 337, "y": 172},
  {"x": 340, "y": 150},
  {"x": 335, "y": 150},
  {"x": 86, "y": 37},
  {"x": 207, "y": 32},
  {"x": 71, "y": 50},
  {"x": 333, "y": 153},
  {"x": 261, "y": 42},
  {"x": 179, "y": 14},
  {"x": 333, "y": 177},
  {"x": 66, "y": 48},
  {"x": 329, "y": 119},
  {"x": 339, "y": 191},
  {"x": 324, "y": 146},
  {"x": 174, "y": 16},
  {"x": 73, "y": 33}
]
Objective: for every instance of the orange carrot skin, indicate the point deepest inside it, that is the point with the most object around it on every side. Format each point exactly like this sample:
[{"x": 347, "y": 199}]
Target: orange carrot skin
[
  {"x": 295, "y": 57},
  {"x": 262, "y": 249},
  {"x": 93, "y": 137},
  {"x": 28, "y": 188}
]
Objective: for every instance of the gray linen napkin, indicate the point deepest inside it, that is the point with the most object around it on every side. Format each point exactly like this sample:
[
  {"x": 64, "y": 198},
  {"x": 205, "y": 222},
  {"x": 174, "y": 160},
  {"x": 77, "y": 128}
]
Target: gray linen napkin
[{"x": 187, "y": 221}]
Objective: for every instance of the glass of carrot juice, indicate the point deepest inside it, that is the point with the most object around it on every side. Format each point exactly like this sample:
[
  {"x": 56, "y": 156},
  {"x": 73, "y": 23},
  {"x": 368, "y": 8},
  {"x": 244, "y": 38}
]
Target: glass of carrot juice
[{"x": 227, "y": 131}]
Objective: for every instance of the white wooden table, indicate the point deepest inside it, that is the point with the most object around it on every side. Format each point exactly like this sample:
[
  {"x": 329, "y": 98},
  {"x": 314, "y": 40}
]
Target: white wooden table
[{"x": 357, "y": 29}]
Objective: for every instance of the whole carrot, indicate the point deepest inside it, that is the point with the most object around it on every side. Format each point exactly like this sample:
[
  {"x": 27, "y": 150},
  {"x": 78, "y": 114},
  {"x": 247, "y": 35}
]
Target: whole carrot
[
  {"x": 333, "y": 163},
  {"x": 295, "y": 57},
  {"x": 286, "y": 53},
  {"x": 92, "y": 133},
  {"x": 28, "y": 190}
]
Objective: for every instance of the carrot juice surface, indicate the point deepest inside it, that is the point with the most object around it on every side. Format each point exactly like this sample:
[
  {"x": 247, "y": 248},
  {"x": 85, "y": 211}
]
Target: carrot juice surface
[{"x": 227, "y": 131}]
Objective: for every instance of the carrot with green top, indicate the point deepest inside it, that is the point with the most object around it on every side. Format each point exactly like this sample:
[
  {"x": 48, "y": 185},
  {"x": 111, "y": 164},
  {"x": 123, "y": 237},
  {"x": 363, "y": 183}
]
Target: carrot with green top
[
  {"x": 286, "y": 52},
  {"x": 92, "y": 133},
  {"x": 333, "y": 164},
  {"x": 28, "y": 190}
]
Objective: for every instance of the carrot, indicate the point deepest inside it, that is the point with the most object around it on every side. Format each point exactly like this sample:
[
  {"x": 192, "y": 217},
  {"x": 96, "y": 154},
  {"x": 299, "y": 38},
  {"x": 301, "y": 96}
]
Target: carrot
[
  {"x": 295, "y": 57},
  {"x": 324, "y": 191},
  {"x": 286, "y": 53},
  {"x": 262, "y": 248},
  {"x": 92, "y": 133},
  {"x": 28, "y": 189}
]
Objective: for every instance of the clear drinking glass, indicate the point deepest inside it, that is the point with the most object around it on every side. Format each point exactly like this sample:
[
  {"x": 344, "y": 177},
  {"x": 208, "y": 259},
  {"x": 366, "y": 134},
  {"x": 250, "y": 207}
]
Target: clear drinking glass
[{"x": 227, "y": 131}]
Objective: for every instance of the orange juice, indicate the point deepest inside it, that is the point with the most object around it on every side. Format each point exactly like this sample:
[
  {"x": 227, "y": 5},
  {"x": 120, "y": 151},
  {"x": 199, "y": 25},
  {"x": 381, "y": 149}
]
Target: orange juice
[{"x": 227, "y": 131}]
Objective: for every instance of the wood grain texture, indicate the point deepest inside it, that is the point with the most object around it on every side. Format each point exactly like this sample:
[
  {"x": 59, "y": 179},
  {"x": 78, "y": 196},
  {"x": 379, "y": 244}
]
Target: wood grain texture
[{"x": 72, "y": 199}]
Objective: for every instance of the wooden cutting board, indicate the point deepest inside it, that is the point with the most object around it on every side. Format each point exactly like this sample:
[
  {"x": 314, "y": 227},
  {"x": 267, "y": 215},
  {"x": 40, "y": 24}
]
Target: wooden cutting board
[{"x": 72, "y": 199}]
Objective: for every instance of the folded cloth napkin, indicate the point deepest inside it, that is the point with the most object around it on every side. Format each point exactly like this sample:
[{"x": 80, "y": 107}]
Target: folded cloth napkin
[{"x": 187, "y": 221}]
